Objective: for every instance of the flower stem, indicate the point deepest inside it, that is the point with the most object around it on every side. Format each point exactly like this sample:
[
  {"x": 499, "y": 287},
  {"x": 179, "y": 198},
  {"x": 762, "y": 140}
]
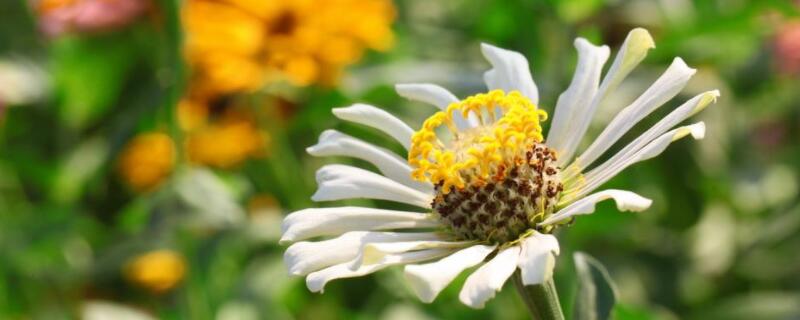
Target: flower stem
[{"x": 541, "y": 300}]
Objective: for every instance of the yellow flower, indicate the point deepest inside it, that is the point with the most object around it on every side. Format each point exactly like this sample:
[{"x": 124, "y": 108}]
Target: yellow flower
[
  {"x": 192, "y": 113},
  {"x": 263, "y": 203},
  {"x": 238, "y": 45},
  {"x": 157, "y": 271},
  {"x": 226, "y": 142},
  {"x": 147, "y": 160}
]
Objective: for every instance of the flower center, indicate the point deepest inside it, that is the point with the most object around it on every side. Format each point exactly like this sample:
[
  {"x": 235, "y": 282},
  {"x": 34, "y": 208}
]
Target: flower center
[
  {"x": 494, "y": 178},
  {"x": 284, "y": 24},
  {"x": 504, "y": 208}
]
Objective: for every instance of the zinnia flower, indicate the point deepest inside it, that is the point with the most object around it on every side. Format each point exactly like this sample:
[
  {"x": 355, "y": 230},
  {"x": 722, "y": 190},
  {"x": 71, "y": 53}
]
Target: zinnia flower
[
  {"x": 157, "y": 271},
  {"x": 147, "y": 160},
  {"x": 63, "y": 16},
  {"x": 491, "y": 188},
  {"x": 226, "y": 142},
  {"x": 238, "y": 45}
]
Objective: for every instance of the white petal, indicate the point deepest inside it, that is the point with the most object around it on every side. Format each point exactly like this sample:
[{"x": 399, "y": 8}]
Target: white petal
[
  {"x": 597, "y": 177},
  {"x": 316, "y": 281},
  {"x": 484, "y": 283},
  {"x": 437, "y": 96},
  {"x": 376, "y": 252},
  {"x": 681, "y": 113},
  {"x": 510, "y": 71},
  {"x": 626, "y": 201},
  {"x": 633, "y": 51},
  {"x": 574, "y": 101},
  {"x": 538, "y": 258},
  {"x": 378, "y": 119},
  {"x": 315, "y": 222},
  {"x": 428, "y": 280},
  {"x": 426, "y": 92},
  {"x": 334, "y": 143},
  {"x": 665, "y": 88},
  {"x": 305, "y": 257},
  {"x": 337, "y": 182}
]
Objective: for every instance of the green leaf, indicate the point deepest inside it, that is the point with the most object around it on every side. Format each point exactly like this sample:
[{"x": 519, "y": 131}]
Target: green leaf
[
  {"x": 596, "y": 292},
  {"x": 210, "y": 201},
  {"x": 754, "y": 305},
  {"x": 576, "y": 10},
  {"x": 78, "y": 166},
  {"x": 89, "y": 75}
]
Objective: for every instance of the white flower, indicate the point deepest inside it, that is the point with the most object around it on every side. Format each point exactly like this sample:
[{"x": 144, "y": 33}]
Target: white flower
[
  {"x": 491, "y": 189},
  {"x": 101, "y": 310},
  {"x": 21, "y": 82}
]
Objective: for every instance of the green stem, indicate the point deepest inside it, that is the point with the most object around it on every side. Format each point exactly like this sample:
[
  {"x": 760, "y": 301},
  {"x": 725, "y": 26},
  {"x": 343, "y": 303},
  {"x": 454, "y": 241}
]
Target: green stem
[{"x": 541, "y": 300}]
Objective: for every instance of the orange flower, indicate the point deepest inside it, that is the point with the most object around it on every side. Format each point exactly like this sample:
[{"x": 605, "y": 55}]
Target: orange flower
[
  {"x": 226, "y": 142},
  {"x": 238, "y": 45},
  {"x": 147, "y": 160},
  {"x": 192, "y": 113},
  {"x": 157, "y": 271}
]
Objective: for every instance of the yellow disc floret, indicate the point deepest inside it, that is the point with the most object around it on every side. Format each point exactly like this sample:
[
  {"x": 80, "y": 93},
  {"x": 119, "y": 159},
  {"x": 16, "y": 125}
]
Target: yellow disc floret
[{"x": 505, "y": 127}]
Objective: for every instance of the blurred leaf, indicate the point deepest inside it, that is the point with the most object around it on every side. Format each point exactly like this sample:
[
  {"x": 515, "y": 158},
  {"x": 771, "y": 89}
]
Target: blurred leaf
[
  {"x": 713, "y": 240},
  {"x": 237, "y": 310},
  {"x": 89, "y": 74},
  {"x": 495, "y": 22},
  {"x": 211, "y": 201},
  {"x": 596, "y": 292},
  {"x": 17, "y": 28},
  {"x": 756, "y": 305},
  {"x": 575, "y": 10},
  {"x": 97, "y": 310},
  {"x": 135, "y": 215},
  {"x": 631, "y": 312},
  {"x": 78, "y": 167},
  {"x": 172, "y": 69}
]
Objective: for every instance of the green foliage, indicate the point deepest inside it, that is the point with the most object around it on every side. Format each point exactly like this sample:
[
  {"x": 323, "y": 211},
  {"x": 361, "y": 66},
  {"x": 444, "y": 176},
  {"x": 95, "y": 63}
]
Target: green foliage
[
  {"x": 719, "y": 242},
  {"x": 90, "y": 74},
  {"x": 596, "y": 293}
]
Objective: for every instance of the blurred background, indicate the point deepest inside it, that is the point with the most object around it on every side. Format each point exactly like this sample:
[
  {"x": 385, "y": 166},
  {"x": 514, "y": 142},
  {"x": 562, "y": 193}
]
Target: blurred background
[{"x": 150, "y": 148}]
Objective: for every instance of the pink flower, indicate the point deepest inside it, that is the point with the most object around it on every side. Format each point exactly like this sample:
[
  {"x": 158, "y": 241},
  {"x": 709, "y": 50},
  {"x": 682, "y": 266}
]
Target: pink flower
[
  {"x": 57, "y": 17},
  {"x": 787, "y": 48}
]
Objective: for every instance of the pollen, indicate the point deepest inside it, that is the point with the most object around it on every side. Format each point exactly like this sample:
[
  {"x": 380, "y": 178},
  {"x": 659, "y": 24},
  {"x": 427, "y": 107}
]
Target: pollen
[
  {"x": 508, "y": 125},
  {"x": 494, "y": 177}
]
